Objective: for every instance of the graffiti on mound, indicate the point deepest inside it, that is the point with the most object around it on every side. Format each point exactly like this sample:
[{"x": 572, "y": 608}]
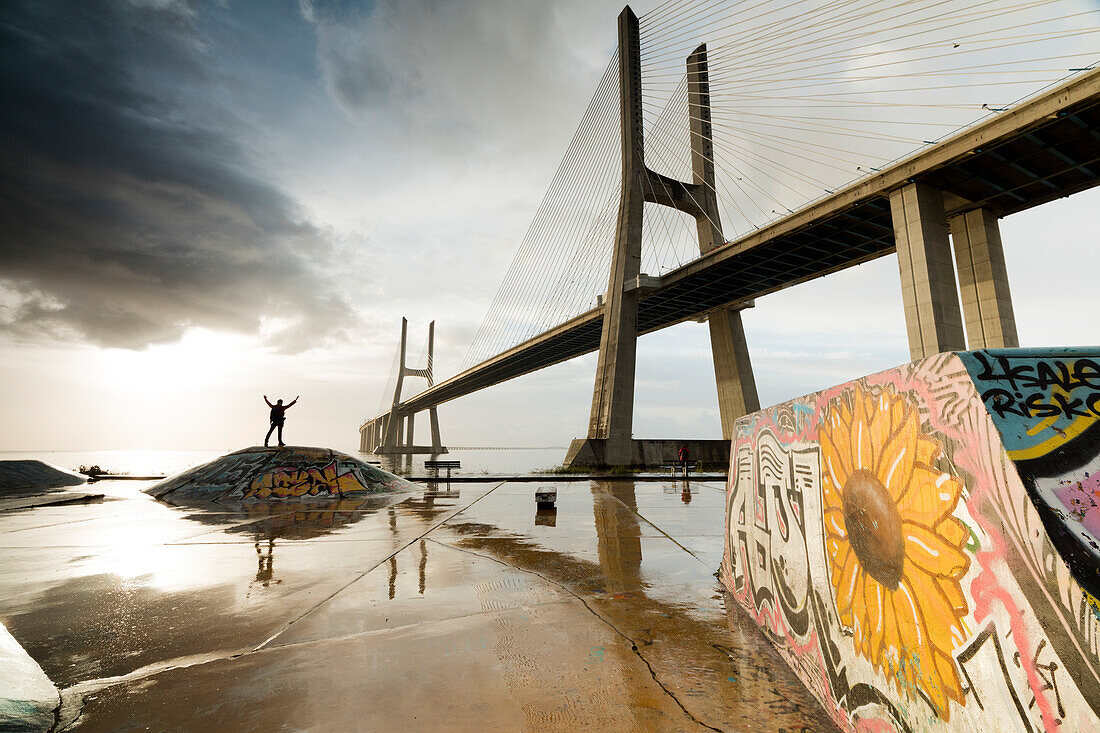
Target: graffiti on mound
[
  {"x": 276, "y": 475},
  {"x": 879, "y": 533},
  {"x": 304, "y": 481}
]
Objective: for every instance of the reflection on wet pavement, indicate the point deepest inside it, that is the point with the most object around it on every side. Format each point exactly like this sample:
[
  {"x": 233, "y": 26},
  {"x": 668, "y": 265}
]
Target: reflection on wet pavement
[{"x": 461, "y": 608}]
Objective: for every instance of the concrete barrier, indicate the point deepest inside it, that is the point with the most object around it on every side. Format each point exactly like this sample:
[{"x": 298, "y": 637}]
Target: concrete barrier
[
  {"x": 275, "y": 474},
  {"x": 921, "y": 545},
  {"x": 18, "y": 477},
  {"x": 28, "y": 699}
]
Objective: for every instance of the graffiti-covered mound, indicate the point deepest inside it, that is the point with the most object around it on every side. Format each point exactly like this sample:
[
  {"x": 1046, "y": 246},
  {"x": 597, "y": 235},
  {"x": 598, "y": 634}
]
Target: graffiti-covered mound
[
  {"x": 923, "y": 544},
  {"x": 273, "y": 474},
  {"x": 20, "y": 476}
]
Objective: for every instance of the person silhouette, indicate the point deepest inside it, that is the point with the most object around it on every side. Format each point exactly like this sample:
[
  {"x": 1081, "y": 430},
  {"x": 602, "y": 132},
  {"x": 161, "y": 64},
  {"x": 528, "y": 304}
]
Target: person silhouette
[{"x": 278, "y": 418}]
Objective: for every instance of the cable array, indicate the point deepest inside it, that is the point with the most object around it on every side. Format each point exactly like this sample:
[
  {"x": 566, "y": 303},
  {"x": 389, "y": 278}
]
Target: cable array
[
  {"x": 807, "y": 96},
  {"x": 555, "y": 273}
]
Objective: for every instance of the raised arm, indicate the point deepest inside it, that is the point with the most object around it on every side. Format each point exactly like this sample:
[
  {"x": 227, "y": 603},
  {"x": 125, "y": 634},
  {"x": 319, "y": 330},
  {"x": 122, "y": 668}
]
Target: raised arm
[
  {"x": 293, "y": 401},
  {"x": 268, "y": 401}
]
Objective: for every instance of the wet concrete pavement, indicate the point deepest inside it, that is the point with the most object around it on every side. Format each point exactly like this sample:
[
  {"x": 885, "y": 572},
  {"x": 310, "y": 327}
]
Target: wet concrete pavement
[{"x": 460, "y": 608}]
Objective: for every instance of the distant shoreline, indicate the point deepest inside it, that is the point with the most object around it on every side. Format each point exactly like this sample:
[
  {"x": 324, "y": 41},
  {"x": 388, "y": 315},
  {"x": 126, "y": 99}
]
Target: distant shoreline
[{"x": 506, "y": 447}]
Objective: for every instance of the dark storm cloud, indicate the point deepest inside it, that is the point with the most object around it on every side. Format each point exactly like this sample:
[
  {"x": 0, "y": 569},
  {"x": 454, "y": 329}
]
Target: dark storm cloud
[{"x": 128, "y": 211}]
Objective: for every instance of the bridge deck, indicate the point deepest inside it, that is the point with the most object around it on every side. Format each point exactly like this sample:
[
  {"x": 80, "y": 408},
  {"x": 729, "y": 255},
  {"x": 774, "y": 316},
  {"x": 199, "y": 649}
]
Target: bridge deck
[{"x": 1044, "y": 149}]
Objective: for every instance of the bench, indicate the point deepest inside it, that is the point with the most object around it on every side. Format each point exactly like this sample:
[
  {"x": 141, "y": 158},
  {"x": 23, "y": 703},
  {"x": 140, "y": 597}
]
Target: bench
[
  {"x": 677, "y": 464},
  {"x": 436, "y": 465},
  {"x": 545, "y": 497}
]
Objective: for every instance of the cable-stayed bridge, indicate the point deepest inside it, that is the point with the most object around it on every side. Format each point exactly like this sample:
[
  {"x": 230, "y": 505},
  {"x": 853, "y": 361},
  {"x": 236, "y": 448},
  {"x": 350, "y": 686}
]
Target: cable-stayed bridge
[{"x": 682, "y": 145}]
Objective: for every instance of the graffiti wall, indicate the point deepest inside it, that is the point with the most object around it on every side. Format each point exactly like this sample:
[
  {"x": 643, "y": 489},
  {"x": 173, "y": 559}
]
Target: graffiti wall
[
  {"x": 279, "y": 474},
  {"x": 920, "y": 544}
]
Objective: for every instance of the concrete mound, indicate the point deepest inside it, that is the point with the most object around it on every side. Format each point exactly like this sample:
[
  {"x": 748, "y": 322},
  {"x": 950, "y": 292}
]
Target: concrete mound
[
  {"x": 279, "y": 474},
  {"x": 17, "y": 477},
  {"x": 922, "y": 545}
]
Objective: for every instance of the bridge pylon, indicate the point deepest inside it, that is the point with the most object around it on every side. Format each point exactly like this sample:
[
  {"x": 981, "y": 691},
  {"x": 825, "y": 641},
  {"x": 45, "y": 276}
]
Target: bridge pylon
[
  {"x": 392, "y": 432},
  {"x": 610, "y": 438}
]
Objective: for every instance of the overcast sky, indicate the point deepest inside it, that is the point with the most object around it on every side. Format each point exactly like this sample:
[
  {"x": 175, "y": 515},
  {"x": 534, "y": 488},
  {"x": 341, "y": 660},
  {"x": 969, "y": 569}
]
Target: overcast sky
[{"x": 202, "y": 203}]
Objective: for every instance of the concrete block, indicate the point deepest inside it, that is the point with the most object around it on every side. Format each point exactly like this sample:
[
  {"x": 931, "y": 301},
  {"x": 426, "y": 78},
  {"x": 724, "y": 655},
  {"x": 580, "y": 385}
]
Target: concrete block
[
  {"x": 546, "y": 497},
  {"x": 27, "y": 697}
]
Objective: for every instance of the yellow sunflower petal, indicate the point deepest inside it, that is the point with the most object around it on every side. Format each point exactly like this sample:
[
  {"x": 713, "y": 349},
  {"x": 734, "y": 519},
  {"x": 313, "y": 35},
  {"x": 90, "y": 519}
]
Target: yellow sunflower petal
[
  {"x": 836, "y": 452},
  {"x": 928, "y": 450},
  {"x": 930, "y": 682},
  {"x": 932, "y": 495},
  {"x": 926, "y": 549},
  {"x": 834, "y": 523},
  {"x": 859, "y": 603},
  {"x": 944, "y": 627},
  {"x": 890, "y": 638},
  {"x": 830, "y": 487},
  {"x": 834, "y": 546},
  {"x": 899, "y": 455},
  {"x": 953, "y": 531},
  {"x": 875, "y": 594},
  {"x": 946, "y": 668},
  {"x": 899, "y": 411},
  {"x": 844, "y": 409},
  {"x": 863, "y": 452},
  {"x": 844, "y": 556},
  {"x": 878, "y": 415},
  {"x": 846, "y": 588},
  {"x": 910, "y": 624},
  {"x": 952, "y": 591}
]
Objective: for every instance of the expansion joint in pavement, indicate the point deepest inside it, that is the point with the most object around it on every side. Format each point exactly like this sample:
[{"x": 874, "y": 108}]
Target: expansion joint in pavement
[
  {"x": 371, "y": 569},
  {"x": 638, "y": 514}
]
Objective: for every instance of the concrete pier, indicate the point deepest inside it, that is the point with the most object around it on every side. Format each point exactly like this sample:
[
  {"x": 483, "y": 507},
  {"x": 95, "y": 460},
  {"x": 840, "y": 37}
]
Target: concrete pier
[
  {"x": 983, "y": 280},
  {"x": 932, "y": 317}
]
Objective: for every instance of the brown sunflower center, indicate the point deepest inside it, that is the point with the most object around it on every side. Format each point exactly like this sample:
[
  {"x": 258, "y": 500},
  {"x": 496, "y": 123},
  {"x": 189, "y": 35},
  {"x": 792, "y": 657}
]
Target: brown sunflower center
[{"x": 874, "y": 527}]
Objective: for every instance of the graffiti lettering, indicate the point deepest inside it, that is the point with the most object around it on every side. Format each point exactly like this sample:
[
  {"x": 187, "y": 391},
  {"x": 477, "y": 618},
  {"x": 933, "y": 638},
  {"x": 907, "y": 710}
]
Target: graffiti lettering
[
  {"x": 1046, "y": 674},
  {"x": 1042, "y": 375},
  {"x": 1004, "y": 403}
]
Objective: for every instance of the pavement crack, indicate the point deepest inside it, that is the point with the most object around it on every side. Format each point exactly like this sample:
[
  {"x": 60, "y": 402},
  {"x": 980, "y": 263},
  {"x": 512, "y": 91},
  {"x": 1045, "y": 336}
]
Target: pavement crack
[{"x": 633, "y": 644}]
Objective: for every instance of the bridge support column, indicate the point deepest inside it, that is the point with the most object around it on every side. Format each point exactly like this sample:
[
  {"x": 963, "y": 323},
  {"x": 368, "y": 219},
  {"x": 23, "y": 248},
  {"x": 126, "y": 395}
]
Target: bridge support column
[
  {"x": 409, "y": 430},
  {"x": 433, "y": 419},
  {"x": 983, "y": 281},
  {"x": 732, "y": 366},
  {"x": 932, "y": 317},
  {"x": 613, "y": 397}
]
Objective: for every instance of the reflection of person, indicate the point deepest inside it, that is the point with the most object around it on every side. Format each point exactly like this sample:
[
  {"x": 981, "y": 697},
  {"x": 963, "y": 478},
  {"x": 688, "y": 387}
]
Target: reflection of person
[{"x": 278, "y": 418}]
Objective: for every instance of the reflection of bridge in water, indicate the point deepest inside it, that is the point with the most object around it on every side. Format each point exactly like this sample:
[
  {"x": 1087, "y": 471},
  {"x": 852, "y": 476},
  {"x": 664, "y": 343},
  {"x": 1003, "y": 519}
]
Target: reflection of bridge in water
[{"x": 952, "y": 192}]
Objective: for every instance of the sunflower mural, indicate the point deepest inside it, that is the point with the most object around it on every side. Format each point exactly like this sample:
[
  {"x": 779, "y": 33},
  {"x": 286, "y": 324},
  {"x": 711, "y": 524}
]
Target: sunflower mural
[{"x": 894, "y": 548}]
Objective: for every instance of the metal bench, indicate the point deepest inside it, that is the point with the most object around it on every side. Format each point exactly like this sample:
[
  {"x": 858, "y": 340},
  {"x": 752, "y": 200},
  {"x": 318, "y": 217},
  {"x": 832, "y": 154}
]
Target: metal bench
[
  {"x": 436, "y": 465},
  {"x": 677, "y": 464}
]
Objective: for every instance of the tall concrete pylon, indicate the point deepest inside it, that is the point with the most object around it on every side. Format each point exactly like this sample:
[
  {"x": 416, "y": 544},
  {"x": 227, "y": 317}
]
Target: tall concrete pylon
[
  {"x": 732, "y": 368},
  {"x": 393, "y": 432},
  {"x": 612, "y": 417},
  {"x": 610, "y": 440}
]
